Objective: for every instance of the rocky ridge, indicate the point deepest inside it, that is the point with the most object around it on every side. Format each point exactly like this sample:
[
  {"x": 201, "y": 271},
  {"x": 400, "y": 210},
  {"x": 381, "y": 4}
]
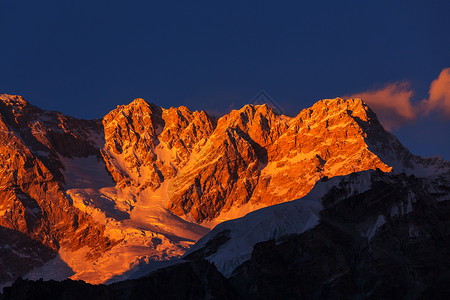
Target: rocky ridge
[
  {"x": 33, "y": 201},
  {"x": 144, "y": 183},
  {"x": 250, "y": 156}
]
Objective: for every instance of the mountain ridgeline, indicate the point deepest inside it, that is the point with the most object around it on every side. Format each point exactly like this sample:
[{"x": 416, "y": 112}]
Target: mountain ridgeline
[{"x": 105, "y": 197}]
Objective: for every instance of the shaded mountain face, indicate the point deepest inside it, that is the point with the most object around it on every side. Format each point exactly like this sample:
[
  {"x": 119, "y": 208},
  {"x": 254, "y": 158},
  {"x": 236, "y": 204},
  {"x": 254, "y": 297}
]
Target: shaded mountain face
[
  {"x": 371, "y": 235},
  {"x": 144, "y": 183}
]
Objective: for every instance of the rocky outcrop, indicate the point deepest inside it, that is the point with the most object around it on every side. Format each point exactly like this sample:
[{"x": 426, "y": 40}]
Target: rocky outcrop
[
  {"x": 249, "y": 156},
  {"x": 33, "y": 202},
  {"x": 19, "y": 254},
  {"x": 151, "y": 143},
  {"x": 255, "y": 156}
]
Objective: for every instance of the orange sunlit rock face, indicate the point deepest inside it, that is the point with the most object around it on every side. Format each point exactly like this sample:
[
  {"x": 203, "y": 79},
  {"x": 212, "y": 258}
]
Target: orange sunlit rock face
[
  {"x": 32, "y": 198},
  {"x": 144, "y": 183},
  {"x": 251, "y": 156}
]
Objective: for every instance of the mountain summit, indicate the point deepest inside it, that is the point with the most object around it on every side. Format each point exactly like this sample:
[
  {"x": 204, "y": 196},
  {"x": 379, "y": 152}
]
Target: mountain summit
[{"x": 141, "y": 185}]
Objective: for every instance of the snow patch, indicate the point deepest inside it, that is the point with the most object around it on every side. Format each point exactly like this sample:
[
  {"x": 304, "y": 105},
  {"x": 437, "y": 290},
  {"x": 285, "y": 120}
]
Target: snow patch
[
  {"x": 85, "y": 172},
  {"x": 404, "y": 207},
  {"x": 274, "y": 222},
  {"x": 261, "y": 225},
  {"x": 413, "y": 232},
  {"x": 370, "y": 233},
  {"x": 55, "y": 269},
  {"x": 149, "y": 233}
]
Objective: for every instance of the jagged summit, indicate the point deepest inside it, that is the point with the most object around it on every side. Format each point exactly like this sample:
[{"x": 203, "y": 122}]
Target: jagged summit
[
  {"x": 155, "y": 179},
  {"x": 330, "y": 109},
  {"x": 12, "y": 99},
  {"x": 139, "y": 102}
]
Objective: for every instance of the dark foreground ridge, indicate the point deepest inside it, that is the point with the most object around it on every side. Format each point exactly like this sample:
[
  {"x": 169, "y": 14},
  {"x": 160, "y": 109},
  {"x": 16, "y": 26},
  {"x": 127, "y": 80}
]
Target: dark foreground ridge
[
  {"x": 405, "y": 256},
  {"x": 191, "y": 280}
]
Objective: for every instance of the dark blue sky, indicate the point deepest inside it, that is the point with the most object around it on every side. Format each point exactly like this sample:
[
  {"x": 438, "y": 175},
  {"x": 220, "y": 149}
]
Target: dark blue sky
[{"x": 86, "y": 57}]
